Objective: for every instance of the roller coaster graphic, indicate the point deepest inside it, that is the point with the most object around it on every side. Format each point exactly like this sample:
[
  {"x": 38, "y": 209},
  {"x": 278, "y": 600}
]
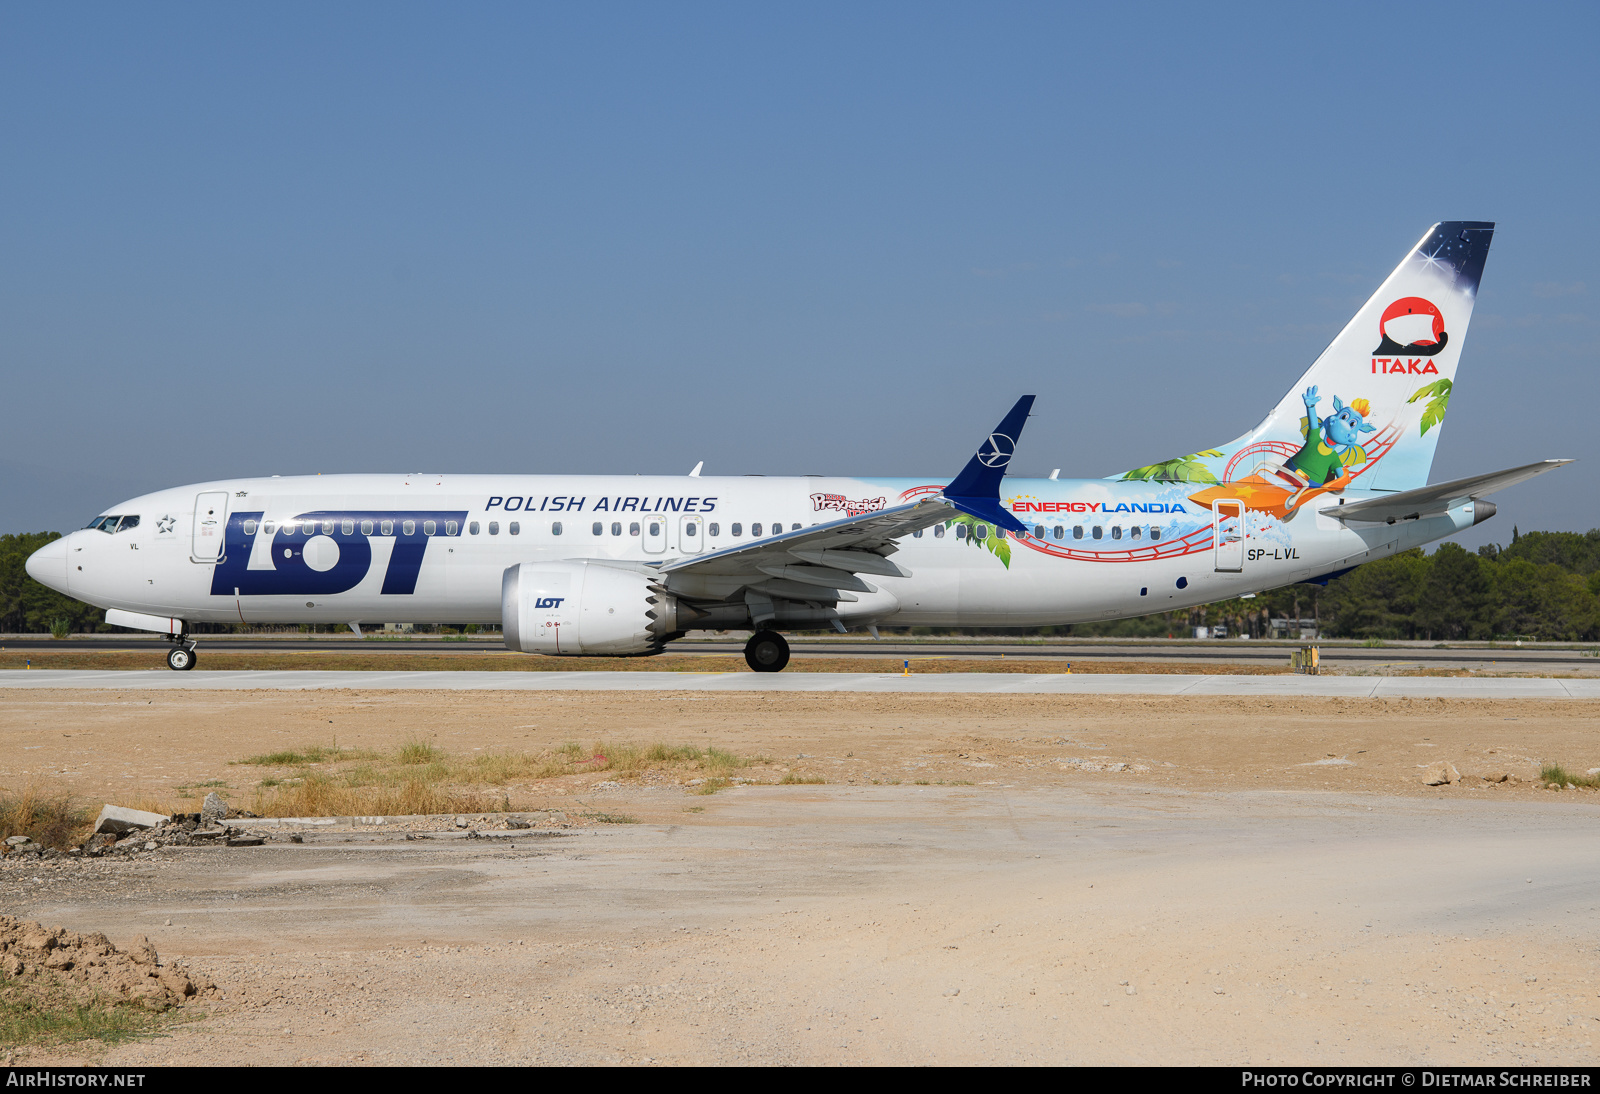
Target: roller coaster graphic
[
  {"x": 1196, "y": 541},
  {"x": 1254, "y": 488}
]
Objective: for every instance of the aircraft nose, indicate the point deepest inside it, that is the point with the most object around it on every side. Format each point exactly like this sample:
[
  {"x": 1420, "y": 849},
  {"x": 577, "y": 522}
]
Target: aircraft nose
[{"x": 48, "y": 565}]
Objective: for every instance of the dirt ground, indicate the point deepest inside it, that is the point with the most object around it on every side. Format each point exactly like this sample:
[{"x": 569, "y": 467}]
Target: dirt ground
[
  {"x": 978, "y": 880},
  {"x": 143, "y": 746}
]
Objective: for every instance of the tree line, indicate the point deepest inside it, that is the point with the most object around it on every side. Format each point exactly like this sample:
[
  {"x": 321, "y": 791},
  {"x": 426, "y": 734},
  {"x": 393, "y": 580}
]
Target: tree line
[{"x": 1542, "y": 585}]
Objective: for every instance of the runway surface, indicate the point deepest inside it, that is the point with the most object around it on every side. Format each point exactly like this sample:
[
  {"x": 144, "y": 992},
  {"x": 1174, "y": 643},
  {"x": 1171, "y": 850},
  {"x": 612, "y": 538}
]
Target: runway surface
[
  {"x": 1501, "y": 658},
  {"x": 164, "y": 679}
]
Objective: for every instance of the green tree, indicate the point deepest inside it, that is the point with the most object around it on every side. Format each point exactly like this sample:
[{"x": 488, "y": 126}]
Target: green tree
[
  {"x": 1575, "y": 551},
  {"x": 1544, "y": 601},
  {"x": 1380, "y": 599},
  {"x": 1457, "y": 597}
]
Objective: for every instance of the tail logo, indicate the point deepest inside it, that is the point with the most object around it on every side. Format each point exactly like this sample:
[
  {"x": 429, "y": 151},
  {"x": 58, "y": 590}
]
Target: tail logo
[
  {"x": 1411, "y": 325},
  {"x": 997, "y": 452}
]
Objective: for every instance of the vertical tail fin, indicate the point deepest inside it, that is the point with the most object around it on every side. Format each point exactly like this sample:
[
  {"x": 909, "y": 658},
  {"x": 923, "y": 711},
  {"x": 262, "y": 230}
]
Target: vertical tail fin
[
  {"x": 1369, "y": 410},
  {"x": 1385, "y": 381}
]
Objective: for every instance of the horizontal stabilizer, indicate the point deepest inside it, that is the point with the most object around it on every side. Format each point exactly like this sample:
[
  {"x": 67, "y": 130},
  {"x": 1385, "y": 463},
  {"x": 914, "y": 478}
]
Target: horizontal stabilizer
[{"x": 1430, "y": 501}]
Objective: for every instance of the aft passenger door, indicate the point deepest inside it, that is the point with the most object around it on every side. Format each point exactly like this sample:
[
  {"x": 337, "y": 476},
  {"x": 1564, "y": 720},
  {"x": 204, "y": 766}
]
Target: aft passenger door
[
  {"x": 210, "y": 526},
  {"x": 655, "y": 533},
  {"x": 691, "y": 536},
  {"x": 1228, "y": 535}
]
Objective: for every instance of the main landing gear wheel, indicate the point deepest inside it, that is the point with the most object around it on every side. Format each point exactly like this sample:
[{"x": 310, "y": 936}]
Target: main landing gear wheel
[
  {"x": 766, "y": 652},
  {"x": 180, "y": 658}
]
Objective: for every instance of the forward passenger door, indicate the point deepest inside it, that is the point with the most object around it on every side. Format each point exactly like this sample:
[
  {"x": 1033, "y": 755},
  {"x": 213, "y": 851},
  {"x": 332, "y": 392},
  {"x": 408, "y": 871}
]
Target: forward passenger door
[{"x": 210, "y": 526}]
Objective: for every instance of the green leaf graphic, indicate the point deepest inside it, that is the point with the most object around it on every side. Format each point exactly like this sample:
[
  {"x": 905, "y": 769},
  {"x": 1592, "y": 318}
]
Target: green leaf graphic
[
  {"x": 998, "y": 545},
  {"x": 1182, "y": 469},
  {"x": 1433, "y": 413}
]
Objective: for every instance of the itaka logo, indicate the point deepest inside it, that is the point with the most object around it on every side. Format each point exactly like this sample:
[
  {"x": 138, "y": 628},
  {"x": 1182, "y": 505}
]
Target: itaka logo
[{"x": 1411, "y": 325}]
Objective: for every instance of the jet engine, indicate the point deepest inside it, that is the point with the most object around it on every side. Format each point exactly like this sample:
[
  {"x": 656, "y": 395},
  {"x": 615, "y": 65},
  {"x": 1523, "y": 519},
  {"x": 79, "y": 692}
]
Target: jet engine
[{"x": 580, "y": 608}]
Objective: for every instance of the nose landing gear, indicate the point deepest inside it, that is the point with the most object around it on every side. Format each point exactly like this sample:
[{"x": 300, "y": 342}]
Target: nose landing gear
[
  {"x": 766, "y": 652},
  {"x": 181, "y": 656}
]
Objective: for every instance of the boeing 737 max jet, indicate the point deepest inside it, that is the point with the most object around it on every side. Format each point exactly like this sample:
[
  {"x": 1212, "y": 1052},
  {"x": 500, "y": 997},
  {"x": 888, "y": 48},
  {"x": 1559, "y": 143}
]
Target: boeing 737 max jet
[{"x": 1336, "y": 475}]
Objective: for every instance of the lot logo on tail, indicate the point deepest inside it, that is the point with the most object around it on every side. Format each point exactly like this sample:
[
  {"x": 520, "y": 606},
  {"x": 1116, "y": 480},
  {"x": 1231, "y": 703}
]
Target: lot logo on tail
[{"x": 1411, "y": 325}]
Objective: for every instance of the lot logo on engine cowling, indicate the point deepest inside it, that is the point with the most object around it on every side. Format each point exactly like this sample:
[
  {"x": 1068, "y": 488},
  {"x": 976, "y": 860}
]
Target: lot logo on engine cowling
[
  {"x": 549, "y": 602},
  {"x": 341, "y": 543}
]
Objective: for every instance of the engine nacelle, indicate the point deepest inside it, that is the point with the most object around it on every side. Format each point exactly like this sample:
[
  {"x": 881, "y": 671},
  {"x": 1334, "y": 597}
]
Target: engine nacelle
[{"x": 577, "y": 608}]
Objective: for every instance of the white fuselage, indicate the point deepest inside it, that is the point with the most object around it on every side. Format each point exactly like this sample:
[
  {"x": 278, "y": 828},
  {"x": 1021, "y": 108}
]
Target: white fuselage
[{"x": 433, "y": 548}]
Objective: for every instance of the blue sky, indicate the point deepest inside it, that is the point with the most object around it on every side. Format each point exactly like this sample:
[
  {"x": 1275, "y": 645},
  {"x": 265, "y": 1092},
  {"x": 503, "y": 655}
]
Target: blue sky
[{"x": 831, "y": 239}]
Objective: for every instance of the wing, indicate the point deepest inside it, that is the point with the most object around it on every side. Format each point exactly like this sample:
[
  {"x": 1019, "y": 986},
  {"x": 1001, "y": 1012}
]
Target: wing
[
  {"x": 818, "y": 563},
  {"x": 814, "y": 569}
]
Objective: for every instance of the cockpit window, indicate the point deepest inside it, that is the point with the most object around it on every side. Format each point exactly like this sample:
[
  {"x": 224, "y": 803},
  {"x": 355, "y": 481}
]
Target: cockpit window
[
  {"x": 128, "y": 522},
  {"x": 104, "y": 524}
]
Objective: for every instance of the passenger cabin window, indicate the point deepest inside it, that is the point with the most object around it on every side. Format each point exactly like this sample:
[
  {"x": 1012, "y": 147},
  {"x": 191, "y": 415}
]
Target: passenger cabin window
[
  {"x": 1061, "y": 532},
  {"x": 1038, "y": 531},
  {"x": 981, "y": 531},
  {"x": 1077, "y": 531},
  {"x": 713, "y": 529},
  {"x": 408, "y": 528},
  {"x": 1116, "y": 531},
  {"x": 555, "y": 528},
  {"x": 472, "y": 528},
  {"x": 327, "y": 527},
  {"x": 917, "y": 534},
  {"x": 755, "y": 530},
  {"x": 1134, "y": 531},
  {"x": 961, "y": 531},
  {"x": 938, "y": 531},
  {"x": 366, "y": 527},
  {"x": 1155, "y": 533},
  {"x": 655, "y": 528},
  {"x": 269, "y": 528},
  {"x": 347, "y": 527},
  {"x": 387, "y": 527},
  {"x": 494, "y": 528},
  {"x": 794, "y": 527},
  {"x": 599, "y": 528},
  {"x": 429, "y": 527},
  {"x": 515, "y": 528},
  {"x": 1098, "y": 533},
  {"x": 451, "y": 527},
  {"x": 736, "y": 529},
  {"x": 616, "y": 527},
  {"x": 691, "y": 528},
  {"x": 633, "y": 529},
  {"x": 249, "y": 527}
]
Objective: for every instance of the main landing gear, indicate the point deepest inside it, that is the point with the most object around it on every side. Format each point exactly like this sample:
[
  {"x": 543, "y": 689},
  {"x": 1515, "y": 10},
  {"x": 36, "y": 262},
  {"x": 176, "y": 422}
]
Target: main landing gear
[
  {"x": 766, "y": 652},
  {"x": 181, "y": 656}
]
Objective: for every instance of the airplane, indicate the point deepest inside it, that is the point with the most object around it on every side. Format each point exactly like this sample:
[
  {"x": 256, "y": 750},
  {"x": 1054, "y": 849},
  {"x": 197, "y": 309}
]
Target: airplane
[{"x": 1335, "y": 475}]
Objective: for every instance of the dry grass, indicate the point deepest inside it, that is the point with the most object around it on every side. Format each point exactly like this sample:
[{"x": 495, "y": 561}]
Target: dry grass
[
  {"x": 419, "y": 777},
  {"x": 51, "y": 819}
]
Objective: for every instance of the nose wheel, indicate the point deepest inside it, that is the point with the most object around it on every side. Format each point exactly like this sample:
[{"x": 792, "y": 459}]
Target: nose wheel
[
  {"x": 766, "y": 652},
  {"x": 181, "y": 657}
]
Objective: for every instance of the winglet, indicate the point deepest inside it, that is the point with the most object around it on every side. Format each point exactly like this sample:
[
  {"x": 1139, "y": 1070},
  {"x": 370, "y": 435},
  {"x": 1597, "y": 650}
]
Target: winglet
[{"x": 977, "y": 489}]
